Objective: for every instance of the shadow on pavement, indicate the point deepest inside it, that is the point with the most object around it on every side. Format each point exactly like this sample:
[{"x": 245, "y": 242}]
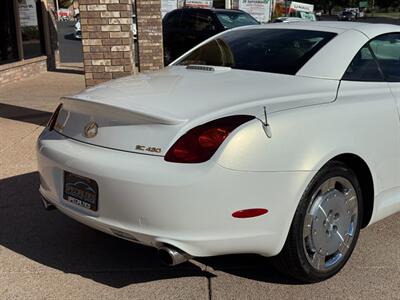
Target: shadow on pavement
[
  {"x": 71, "y": 37},
  {"x": 250, "y": 266},
  {"x": 78, "y": 71},
  {"x": 56, "y": 241},
  {"x": 24, "y": 114}
]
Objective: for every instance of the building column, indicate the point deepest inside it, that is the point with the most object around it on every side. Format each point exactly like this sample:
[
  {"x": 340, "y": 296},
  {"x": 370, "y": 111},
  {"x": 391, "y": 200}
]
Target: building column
[
  {"x": 50, "y": 34},
  {"x": 150, "y": 40},
  {"x": 107, "y": 39}
]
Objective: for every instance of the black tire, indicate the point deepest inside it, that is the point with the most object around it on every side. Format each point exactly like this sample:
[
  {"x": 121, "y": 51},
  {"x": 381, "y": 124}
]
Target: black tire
[{"x": 292, "y": 260}]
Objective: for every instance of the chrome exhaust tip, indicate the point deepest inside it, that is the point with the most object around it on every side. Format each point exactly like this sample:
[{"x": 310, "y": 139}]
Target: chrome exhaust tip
[
  {"x": 172, "y": 256},
  {"x": 47, "y": 205}
]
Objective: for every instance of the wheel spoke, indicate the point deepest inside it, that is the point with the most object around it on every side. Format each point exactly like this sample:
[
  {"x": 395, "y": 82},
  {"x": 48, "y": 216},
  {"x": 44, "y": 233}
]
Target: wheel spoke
[
  {"x": 351, "y": 201},
  {"x": 307, "y": 225},
  {"x": 340, "y": 236},
  {"x": 344, "y": 247},
  {"x": 328, "y": 185},
  {"x": 350, "y": 193},
  {"x": 323, "y": 211},
  {"x": 318, "y": 261}
]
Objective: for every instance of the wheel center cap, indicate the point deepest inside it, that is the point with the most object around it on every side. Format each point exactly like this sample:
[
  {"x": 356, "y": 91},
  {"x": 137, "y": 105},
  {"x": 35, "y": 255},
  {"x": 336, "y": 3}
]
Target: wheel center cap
[{"x": 327, "y": 222}]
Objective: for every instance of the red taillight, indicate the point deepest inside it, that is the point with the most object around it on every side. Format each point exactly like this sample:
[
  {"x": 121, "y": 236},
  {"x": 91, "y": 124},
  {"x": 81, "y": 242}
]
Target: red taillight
[
  {"x": 53, "y": 119},
  {"x": 199, "y": 144}
]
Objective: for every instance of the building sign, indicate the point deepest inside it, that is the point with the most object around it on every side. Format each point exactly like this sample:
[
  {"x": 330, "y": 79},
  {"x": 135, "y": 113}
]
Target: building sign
[
  {"x": 297, "y": 6},
  {"x": 199, "y": 3},
  {"x": 167, "y": 6},
  {"x": 64, "y": 12},
  {"x": 259, "y": 9},
  {"x": 27, "y": 13}
]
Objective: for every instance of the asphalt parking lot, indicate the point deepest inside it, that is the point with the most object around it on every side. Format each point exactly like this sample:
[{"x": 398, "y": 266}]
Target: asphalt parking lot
[{"x": 46, "y": 255}]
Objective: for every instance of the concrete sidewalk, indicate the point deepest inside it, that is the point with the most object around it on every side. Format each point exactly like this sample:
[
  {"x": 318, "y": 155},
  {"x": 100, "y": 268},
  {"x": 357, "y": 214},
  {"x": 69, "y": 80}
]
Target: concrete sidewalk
[
  {"x": 45, "y": 255},
  {"x": 24, "y": 108}
]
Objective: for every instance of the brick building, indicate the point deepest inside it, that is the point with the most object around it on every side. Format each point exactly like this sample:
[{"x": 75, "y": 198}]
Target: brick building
[
  {"x": 108, "y": 44},
  {"x": 107, "y": 38},
  {"x": 30, "y": 46}
]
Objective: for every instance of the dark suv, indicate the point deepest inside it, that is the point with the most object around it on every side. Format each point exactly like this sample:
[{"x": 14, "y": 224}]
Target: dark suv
[{"x": 185, "y": 28}]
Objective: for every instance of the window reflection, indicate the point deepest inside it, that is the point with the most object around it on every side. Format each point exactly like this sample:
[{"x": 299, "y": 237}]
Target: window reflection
[
  {"x": 8, "y": 43},
  {"x": 29, "y": 14}
]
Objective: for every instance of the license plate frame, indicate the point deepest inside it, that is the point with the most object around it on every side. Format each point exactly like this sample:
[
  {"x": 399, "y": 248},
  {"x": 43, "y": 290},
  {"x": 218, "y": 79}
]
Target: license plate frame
[{"x": 81, "y": 191}]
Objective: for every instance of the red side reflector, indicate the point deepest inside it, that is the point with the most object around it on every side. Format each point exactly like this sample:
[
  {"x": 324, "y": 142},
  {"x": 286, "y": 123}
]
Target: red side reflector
[{"x": 249, "y": 213}]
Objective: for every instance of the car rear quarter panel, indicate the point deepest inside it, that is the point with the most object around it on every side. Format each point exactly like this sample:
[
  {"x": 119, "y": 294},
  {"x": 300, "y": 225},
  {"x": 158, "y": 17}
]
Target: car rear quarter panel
[{"x": 362, "y": 121}]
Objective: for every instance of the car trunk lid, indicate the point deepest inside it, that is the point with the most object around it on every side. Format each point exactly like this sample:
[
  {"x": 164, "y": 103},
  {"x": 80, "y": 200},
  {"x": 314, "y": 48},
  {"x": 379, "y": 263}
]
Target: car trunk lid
[{"x": 147, "y": 113}]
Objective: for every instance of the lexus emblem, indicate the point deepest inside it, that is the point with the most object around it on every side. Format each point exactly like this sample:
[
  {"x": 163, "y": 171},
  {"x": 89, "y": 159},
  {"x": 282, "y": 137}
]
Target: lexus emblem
[{"x": 91, "y": 129}]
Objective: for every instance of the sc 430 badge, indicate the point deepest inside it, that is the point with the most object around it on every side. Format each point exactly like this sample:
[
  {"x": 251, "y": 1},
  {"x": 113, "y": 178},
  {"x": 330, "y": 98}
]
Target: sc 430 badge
[{"x": 148, "y": 149}]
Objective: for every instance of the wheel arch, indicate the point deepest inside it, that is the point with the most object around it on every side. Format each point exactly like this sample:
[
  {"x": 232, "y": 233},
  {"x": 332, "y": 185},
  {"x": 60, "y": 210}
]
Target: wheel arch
[{"x": 364, "y": 175}]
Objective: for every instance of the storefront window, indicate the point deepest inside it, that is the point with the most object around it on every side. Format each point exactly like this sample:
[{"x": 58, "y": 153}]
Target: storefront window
[
  {"x": 8, "y": 42},
  {"x": 30, "y": 14}
]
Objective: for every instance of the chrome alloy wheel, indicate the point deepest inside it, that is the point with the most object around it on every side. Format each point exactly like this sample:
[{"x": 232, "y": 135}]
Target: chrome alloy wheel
[{"x": 330, "y": 223}]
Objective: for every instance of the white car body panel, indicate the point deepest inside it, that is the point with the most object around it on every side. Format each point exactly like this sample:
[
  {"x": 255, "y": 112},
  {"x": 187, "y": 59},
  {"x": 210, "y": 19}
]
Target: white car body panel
[
  {"x": 166, "y": 92},
  {"x": 313, "y": 117},
  {"x": 165, "y": 117},
  {"x": 148, "y": 214},
  {"x": 344, "y": 46},
  {"x": 303, "y": 128}
]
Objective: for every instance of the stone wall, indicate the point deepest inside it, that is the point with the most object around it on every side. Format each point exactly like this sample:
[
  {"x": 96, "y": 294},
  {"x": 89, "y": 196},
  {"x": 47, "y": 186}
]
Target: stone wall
[
  {"x": 107, "y": 39},
  {"x": 24, "y": 69}
]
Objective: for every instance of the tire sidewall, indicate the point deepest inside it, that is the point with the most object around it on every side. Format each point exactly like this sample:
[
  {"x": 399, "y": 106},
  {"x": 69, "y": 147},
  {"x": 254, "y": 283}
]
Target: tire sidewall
[{"x": 332, "y": 169}]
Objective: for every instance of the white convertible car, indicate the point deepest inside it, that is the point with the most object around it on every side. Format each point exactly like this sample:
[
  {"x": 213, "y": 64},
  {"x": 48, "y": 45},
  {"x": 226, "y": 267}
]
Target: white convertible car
[{"x": 281, "y": 140}]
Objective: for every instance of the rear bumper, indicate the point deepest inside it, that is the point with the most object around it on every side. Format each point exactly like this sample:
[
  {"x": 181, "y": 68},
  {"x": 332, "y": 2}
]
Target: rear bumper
[{"x": 147, "y": 200}]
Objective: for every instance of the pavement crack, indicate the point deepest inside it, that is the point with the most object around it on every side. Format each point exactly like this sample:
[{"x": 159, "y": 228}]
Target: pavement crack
[{"x": 209, "y": 287}]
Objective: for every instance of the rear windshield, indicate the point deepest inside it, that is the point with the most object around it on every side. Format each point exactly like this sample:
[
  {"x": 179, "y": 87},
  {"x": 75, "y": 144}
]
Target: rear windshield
[
  {"x": 232, "y": 19},
  {"x": 282, "y": 51}
]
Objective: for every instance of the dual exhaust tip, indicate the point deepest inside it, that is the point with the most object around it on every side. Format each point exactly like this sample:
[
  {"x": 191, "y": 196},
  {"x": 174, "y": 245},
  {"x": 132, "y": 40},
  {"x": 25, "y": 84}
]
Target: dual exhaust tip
[{"x": 172, "y": 256}]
